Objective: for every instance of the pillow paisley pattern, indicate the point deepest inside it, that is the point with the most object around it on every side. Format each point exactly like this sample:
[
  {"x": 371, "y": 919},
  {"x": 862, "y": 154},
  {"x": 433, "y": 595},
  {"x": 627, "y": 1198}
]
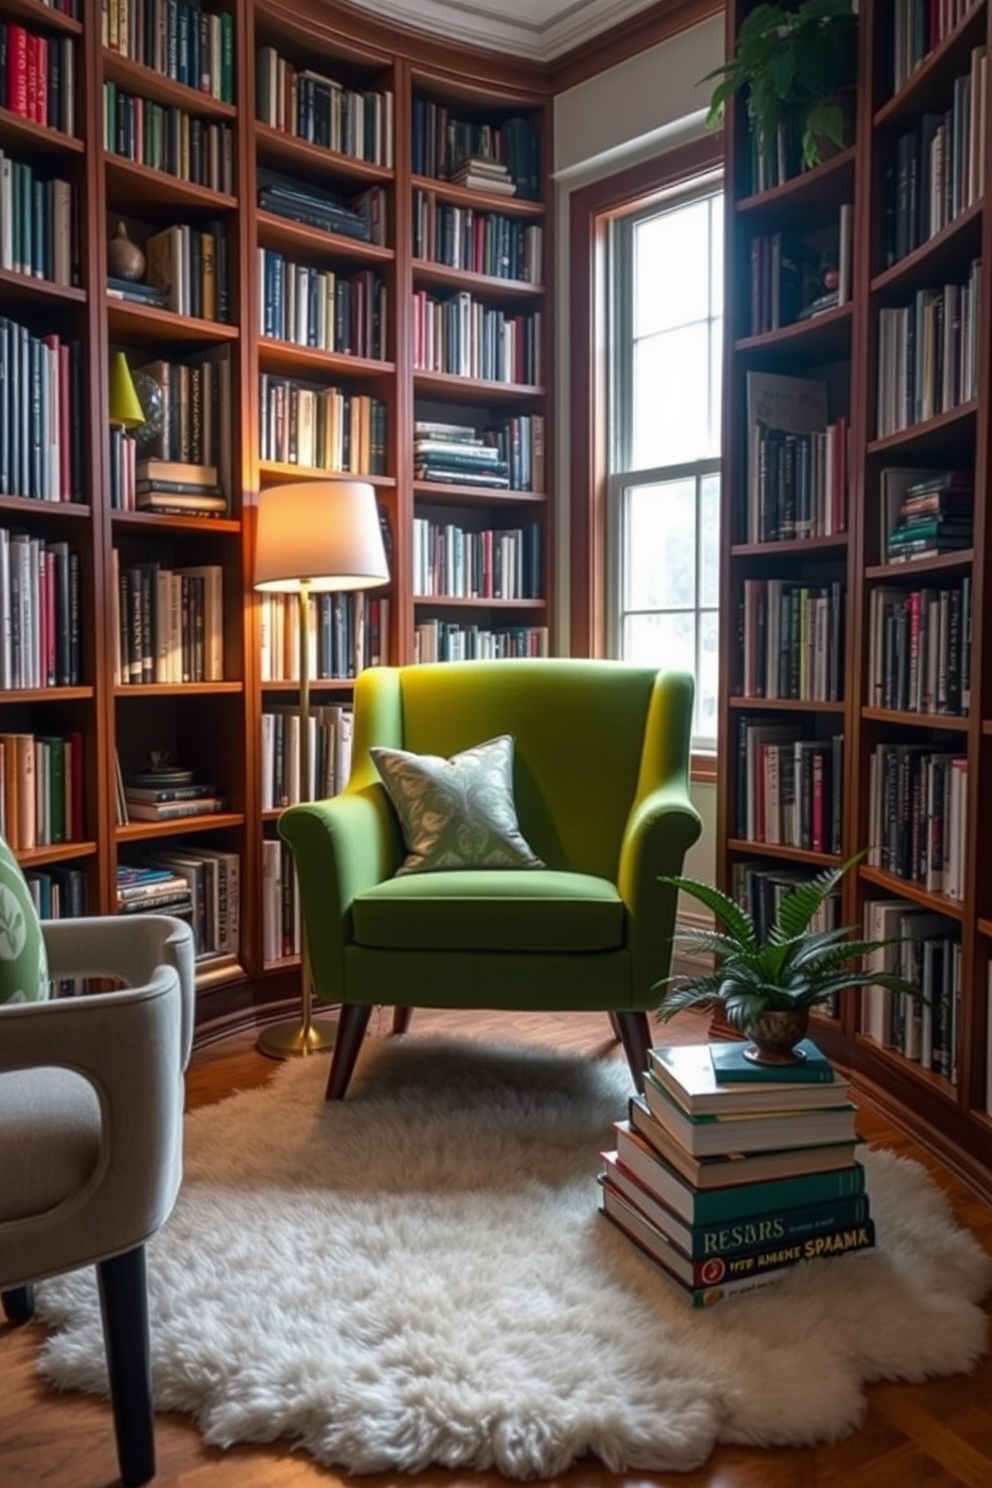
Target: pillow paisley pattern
[
  {"x": 23, "y": 962},
  {"x": 457, "y": 812}
]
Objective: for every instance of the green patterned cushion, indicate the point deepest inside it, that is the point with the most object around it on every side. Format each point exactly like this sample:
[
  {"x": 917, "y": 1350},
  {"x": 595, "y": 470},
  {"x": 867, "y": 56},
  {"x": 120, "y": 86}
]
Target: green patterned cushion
[
  {"x": 23, "y": 963},
  {"x": 457, "y": 812}
]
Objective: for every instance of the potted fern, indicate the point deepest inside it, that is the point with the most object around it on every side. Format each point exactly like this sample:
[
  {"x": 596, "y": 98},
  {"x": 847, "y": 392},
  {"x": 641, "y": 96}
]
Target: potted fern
[
  {"x": 766, "y": 989},
  {"x": 797, "y": 67}
]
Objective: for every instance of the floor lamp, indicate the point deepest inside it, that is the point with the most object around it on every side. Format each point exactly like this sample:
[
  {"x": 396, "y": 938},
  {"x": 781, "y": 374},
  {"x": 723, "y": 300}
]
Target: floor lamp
[{"x": 312, "y": 537}]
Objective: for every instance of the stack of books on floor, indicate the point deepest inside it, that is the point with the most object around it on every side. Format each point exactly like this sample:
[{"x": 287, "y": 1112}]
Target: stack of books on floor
[
  {"x": 728, "y": 1174},
  {"x": 456, "y": 455},
  {"x": 484, "y": 175}
]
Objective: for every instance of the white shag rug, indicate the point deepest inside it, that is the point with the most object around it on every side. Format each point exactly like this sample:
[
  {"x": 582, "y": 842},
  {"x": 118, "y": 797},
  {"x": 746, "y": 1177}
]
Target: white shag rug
[{"x": 419, "y": 1275}]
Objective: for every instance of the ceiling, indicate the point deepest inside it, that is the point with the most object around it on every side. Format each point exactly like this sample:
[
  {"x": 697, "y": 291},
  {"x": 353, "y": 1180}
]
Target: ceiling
[{"x": 533, "y": 30}]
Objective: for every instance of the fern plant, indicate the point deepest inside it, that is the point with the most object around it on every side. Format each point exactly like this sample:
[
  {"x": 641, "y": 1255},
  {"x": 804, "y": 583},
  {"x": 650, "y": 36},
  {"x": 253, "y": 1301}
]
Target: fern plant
[{"x": 795, "y": 968}]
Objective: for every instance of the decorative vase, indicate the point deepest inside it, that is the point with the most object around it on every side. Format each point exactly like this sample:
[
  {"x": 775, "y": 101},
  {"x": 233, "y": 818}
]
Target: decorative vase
[
  {"x": 774, "y": 1035},
  {"x": 125, "y": 260}
]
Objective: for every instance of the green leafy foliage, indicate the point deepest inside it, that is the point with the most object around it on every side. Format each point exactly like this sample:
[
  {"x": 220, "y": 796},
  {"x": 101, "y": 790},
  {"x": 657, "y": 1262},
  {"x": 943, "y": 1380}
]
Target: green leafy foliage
[
  {"x": 796, "y": 967},
  {"x": 791, "y": 63}
]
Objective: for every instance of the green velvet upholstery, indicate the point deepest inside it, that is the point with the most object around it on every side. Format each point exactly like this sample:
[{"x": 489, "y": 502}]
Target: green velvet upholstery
[{"x": 601, "y": 787}]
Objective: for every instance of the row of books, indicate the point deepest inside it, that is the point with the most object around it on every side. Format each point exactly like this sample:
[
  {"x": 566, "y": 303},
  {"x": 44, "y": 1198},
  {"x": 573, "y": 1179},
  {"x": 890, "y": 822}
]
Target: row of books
[
  {"x": 789, "y": 788},
  {"x": 919, "y": 648},
  {"x": 923, "y": 948},
  {"x": 37, "y": 227},
  {"x": 347, "y": 633},
  {"x": 925, "y": 512},
  {"x": 938, "y": 168},
  {"x": 194, "y": 426},
  {"x": 480, "y": 242},
  {"x": 787, "y": 274},
  {"x": 440, "y": 142},
  {"x": 281, "y": 927},
  {"x": 324, "y": 428},
  {"x": 447, "y": 640},
  {"x": 170, "y": 623},
  {"x": 189, "y": 266},
  {"x": 917, "y": 815},
  {"x": 760, "y": 889},
  {"x": 928, "y": 354},
  {"x": 41, "y": 436},
  {"x": 177, "y": 38},
  {"x": 168, "y": 139},
  {"x": 918, "y": 27},
  {"x": 322, "y": 308},
  {"x": 462, "y": 337},
  {"x": 799, "y": 486},
  {"x": 41, "y": 789},
  {"x": 331, "y": 727},
  {"x": 198, "y": 884},
  {"x": 361, "y": 215},
  {"x": 60, "y": 893},
  {"x": 495, "y": 563},
  {"x": 322, "y": 110},
  {"x": 728, "y": 1179},
  {"x": 38, "y": 76},
  {"x": 792, "y": 640},
  {"x": 39, "y": 612}
]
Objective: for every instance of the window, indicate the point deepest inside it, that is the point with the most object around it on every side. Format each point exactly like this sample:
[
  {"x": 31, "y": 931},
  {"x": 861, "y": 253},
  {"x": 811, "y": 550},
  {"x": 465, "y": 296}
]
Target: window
[{"x": 665, "y": 270}]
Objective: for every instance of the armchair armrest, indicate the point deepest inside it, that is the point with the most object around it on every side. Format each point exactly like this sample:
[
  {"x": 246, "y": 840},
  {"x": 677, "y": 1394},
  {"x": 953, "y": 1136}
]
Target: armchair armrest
[
  {"x": 130, "y": 948},
  {"x": 341, "y": 846},
  {"x": 127, "y": 1044}
]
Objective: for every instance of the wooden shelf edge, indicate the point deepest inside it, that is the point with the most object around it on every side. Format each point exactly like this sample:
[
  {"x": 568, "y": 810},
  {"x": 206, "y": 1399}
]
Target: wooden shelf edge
[
  {"x": 142, "y": 831},
  {"x": 782, "y": 850},
  {"x": 35, "y": 857},
  {"x": 901, "y": 888},
  {"x": 161, "y": 88}
]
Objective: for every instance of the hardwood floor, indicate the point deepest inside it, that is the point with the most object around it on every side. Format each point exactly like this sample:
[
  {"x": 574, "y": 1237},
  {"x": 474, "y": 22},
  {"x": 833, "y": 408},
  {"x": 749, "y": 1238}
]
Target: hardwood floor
[{"x": 937, "y": 1434}]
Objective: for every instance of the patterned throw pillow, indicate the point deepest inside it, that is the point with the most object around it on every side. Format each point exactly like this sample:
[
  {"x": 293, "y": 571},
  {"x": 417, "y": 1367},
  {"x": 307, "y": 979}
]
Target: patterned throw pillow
[
  {"x": 23, "y": 962},
  {"x": 457, "y": 812}
]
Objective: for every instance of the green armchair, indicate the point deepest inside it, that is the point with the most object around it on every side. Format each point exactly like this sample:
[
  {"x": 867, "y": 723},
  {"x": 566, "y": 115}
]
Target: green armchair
[{"x": 601, "y": 787}]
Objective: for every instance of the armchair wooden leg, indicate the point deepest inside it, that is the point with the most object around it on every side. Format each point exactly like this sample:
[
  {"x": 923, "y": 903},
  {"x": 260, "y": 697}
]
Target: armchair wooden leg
[
  {"x": 124, "y": 1308},
  {"x": 18, "y": 1304},
  {"x": 401, "y": 1019},
  {"x": 615, "y": 1025},
  {"x": 352, "y": 1024},
  {"x": 635, "y": 1034}
]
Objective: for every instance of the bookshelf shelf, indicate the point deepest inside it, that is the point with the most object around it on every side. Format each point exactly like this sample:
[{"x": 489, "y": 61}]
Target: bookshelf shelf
[
  {"x": 916, "y": 720},
  {"x": 133, "y": 187},
  {"x": 317, "y": 684},
  {"x": 43, "y": 16},
  {"x": 902, "y": 573},
  {"x": 150, "y": 523},
  {"x": 441, "y": 493},
  {"x": 36, "y": 139},
  {"x": 280, "y": 470},
  {"x": 937, "y": 1085},
  {"x": 472, "y": 390},
  {"x": 22, "y": 286},
  {"x": 289, "y": 357},
  {"x": 58, "y": 852},
  {"x": 953, "y": 430},
  {"x": 144, "y": 831},
  {"x": 128, "y": 322},
  {"x": 925, "y": 265},
  {"x": 902, "y": 888},
  {"x": 784, "y": 705},
  {"x": 48, "y": 511},
  {"x": 46, "y": 694},
  {"x": 823, "y": 547},
  {"x": 463, "y": 196},
  {"x": 135, "y": 77},
  {"x": 782, "y": 850},
  {"x": 312, "y": 242},
  {"x": 828, "y": 184},
  {"x": 179, "y": 689},
  {"x": 825, "y": 337},
  {"x": 451, "y": 602},
  {"x": 425, "y": 271},
  {"x": 277, "y": 147}
]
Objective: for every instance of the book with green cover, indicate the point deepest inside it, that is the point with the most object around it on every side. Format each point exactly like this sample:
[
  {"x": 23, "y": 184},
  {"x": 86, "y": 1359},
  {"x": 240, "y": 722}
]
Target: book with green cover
[
  {"x": 731, "y": 1067},
  {"x": 688, "y": 1074}
]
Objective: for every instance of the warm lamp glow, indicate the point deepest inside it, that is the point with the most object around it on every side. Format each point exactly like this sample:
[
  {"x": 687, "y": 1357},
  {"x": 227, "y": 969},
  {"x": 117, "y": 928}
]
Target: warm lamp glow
[
  {"x": 319, "y": 534},
  {"x": 125, "y": 405}
]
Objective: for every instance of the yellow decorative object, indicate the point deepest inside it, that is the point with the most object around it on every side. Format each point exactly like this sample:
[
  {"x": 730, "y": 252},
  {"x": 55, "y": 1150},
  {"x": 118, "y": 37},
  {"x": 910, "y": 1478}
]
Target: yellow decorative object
[{"x": 125, "y": 405}]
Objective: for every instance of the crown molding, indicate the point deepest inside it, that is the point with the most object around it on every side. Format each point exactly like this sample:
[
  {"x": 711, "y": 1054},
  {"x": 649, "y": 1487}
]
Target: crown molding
[{"x": 531, "y": 38}]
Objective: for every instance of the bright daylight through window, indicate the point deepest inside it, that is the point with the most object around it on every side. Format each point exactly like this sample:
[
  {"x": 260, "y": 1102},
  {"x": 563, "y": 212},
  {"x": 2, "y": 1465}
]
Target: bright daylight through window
[{"x": 666, "y": 265}]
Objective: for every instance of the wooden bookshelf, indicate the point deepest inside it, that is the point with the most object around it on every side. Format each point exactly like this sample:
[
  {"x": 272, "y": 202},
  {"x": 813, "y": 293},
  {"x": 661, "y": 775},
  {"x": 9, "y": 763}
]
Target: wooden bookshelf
[{"x": 936, "y": 1080}]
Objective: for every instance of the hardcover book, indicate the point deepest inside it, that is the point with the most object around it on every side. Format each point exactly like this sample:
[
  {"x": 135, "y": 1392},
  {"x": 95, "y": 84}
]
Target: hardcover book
[
  {"x": 688, "y": 1074},
  {"x": 751, "y": 1131},
  {"x": 732, "y": 1067}
]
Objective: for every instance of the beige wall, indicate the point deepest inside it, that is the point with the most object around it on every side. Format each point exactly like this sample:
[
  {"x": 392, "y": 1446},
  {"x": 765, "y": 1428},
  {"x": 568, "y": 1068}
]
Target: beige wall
[{"x": 629, "y": 113}]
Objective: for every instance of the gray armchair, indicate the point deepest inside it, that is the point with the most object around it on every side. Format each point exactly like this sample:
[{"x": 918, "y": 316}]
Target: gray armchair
[{"x": 91, "y": 1106}]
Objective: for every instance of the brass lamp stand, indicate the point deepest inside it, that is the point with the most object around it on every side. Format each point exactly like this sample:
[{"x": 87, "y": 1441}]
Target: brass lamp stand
[{"x": 313, "y": 536}]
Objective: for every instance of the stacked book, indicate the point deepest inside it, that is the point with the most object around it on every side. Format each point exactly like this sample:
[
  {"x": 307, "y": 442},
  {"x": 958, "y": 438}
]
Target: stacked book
[
  {"x": 484, "y": 175},
  {"x": 179, "y": 487},
  {"x": 148, "y": 890},
  {"x": 160, "y": 803},
  {"x": 935, "y": 515},
  {"x": 728, "y": 1174},
  {"x": 315, "y": 206},
  {"x": 455, "y": 454}
]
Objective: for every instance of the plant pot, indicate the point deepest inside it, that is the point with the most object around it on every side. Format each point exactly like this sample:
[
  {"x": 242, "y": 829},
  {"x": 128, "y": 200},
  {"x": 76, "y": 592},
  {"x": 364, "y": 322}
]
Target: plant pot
[{"x": 774, "y": 1035}]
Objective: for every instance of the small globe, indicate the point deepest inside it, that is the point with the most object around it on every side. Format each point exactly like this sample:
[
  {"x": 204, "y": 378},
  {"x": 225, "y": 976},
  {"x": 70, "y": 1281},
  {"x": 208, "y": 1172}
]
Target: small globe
[{"x": 152, "y": 402}]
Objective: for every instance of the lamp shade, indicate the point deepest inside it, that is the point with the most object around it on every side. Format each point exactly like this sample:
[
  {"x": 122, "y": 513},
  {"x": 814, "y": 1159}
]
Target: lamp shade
[
  {"x": 323, "y": 533},
  {"x": 125, "y": 405}
]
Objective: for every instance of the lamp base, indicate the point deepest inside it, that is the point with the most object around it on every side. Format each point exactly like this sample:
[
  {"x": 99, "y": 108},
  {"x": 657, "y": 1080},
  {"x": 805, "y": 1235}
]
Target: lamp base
[{"x": 290, "y": 1040}]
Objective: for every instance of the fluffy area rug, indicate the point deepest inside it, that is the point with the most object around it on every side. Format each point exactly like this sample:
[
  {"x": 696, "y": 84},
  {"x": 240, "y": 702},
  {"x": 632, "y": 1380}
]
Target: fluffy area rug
[{"x": 419, "y": 1275}]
